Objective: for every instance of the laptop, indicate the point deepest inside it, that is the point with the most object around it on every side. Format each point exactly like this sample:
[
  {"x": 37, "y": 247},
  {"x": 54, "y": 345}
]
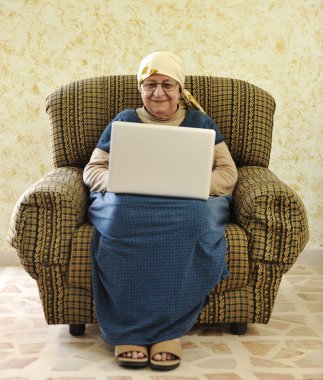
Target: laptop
[{"x": 160, "y": 160}]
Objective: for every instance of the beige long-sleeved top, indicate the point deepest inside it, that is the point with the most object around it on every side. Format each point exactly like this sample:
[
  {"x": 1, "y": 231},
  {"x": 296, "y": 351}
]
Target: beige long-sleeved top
[{"x": 224, "y": 172}]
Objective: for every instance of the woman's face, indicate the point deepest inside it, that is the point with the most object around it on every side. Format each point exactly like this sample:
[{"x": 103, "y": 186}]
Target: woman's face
[{"x": 159, "y": 102}]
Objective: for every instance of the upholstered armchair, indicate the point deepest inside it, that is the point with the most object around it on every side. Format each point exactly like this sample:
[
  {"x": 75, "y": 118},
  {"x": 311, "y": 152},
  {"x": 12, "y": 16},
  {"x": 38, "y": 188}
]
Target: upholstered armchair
[{"x": 52, "y": 235}]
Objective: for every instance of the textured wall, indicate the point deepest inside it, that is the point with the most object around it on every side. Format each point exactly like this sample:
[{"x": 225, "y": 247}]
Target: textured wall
[{"x": 273, "y": 44}]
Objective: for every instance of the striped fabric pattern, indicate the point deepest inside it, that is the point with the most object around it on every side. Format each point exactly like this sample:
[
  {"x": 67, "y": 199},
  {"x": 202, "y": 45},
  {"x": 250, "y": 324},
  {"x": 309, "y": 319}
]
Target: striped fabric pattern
[
  {"x": 50, "y": 230},
  {"x": 79, "y": 111}
]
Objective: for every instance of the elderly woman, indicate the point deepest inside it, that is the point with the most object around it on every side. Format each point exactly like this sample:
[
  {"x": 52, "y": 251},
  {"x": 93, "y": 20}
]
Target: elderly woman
[{"x": 155, "y": 259}]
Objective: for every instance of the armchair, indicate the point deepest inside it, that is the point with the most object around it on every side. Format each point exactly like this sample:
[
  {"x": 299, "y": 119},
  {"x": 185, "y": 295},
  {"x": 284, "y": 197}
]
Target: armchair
[{"x": 268, "y": 230}]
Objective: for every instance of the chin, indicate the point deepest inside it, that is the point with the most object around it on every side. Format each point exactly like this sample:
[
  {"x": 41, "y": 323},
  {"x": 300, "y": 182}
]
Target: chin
[{"x": 161, "y": 112}]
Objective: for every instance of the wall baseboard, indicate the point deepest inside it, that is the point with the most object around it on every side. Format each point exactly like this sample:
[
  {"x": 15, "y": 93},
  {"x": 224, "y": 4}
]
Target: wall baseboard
[
  {"x": 9, "y": 257},
  {"x": 311, "y": 256}
]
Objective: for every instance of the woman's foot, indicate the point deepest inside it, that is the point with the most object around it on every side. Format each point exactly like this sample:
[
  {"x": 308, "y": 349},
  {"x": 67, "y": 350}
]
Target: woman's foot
[
  {"x": 166, "y": 355},
  {"x": 131, "y": 355}
]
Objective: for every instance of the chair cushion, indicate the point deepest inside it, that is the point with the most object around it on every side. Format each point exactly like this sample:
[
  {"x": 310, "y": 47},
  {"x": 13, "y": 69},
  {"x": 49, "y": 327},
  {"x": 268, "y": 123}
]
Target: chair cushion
[
  {"x": 237, "y": 259},
  {"x": 80, "y": 264}
]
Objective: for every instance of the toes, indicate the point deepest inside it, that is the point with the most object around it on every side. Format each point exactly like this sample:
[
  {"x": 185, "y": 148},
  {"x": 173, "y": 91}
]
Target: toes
[
  {"x": 158, "y": 357},
  {"x": 164, "y": 356},
  {"x": 134, "y": 355}
]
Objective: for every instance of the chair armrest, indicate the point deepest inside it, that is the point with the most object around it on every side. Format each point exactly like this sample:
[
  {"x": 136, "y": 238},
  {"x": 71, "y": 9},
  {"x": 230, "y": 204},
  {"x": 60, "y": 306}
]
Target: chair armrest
[
  {"x": 272, "y": 215},
  {"x": 45, "y": 218}
]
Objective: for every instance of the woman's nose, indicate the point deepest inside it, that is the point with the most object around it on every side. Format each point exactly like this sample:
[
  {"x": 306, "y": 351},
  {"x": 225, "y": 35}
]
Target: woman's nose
[{"x": 159, "y": 91}]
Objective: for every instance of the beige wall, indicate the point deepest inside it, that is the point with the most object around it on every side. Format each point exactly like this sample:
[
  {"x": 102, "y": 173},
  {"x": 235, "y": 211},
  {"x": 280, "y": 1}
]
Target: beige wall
[{"x": 273, "y": 44}]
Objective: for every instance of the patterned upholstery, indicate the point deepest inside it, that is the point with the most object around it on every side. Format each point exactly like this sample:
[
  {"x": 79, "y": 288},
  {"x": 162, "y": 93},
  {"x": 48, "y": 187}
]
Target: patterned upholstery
[
  {"x": 79, "y": 111},
  {"x": 268, "y": 231}
]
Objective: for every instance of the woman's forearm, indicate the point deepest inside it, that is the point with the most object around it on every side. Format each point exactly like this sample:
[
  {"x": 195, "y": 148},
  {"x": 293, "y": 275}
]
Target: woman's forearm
[
  {"x": 224, "y": 173},
  {"x": 95, "y": 174}
]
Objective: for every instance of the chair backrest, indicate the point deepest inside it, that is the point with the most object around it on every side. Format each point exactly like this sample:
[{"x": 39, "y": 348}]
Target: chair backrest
[{"x": 79, "y": 111}]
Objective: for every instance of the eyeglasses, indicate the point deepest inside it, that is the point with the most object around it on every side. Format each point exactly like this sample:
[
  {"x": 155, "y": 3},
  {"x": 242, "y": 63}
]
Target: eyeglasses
[{"x": 167, "y": 86}]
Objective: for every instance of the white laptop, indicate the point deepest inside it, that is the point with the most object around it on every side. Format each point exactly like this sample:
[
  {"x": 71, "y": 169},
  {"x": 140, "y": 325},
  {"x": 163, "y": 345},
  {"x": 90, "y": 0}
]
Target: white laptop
[{"x": 160, "y": 160}]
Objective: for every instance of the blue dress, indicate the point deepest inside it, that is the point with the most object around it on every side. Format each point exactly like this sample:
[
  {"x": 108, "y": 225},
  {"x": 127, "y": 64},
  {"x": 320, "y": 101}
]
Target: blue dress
[{"x": 154, "y": 262}]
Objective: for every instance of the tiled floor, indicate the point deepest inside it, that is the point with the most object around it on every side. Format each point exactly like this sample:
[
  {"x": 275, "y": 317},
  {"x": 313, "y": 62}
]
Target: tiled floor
[{"x": 290, "y": 347}]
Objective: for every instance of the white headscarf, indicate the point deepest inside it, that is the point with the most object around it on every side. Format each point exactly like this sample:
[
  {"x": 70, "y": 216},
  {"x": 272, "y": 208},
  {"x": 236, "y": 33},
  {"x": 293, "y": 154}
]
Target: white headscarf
[{"x": 167, "y": 63}]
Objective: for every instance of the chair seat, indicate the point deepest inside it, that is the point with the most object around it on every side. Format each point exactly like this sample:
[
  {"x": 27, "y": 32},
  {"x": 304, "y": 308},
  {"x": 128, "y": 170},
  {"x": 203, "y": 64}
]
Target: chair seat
[{"x": 237, "y": 259}]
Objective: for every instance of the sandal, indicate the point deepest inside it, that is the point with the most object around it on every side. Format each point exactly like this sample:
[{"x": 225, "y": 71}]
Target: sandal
[
  {"x": 131, "y": 362},
  {"x": 172, "y": 347}
]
